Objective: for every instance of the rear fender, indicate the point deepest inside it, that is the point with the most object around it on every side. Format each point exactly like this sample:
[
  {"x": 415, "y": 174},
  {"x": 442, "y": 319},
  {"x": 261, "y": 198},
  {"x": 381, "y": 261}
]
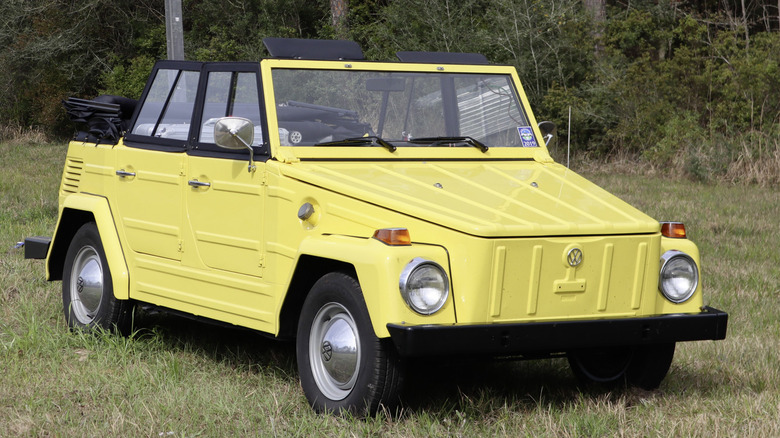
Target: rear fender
[{"x": 75, "y": 211}]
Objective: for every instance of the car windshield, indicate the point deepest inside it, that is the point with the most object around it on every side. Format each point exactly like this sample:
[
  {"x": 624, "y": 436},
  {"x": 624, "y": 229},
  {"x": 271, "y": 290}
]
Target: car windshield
[{"x": 399, "y": 109}]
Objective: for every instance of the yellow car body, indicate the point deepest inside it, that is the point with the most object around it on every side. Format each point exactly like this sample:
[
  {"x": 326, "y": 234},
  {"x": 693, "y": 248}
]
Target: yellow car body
[{"x": 207, "y": 234}]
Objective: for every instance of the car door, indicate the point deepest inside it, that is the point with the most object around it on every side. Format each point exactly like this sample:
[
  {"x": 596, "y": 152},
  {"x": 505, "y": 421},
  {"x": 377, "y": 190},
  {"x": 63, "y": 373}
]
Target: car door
[
  {"x": 225, "y": 198},
  {"x": 149, "y": 164}
]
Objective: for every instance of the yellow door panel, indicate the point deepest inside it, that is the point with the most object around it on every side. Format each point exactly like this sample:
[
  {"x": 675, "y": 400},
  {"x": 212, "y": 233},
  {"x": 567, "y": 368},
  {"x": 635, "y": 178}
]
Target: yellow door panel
[
  {"x": 225, "y": 214},
  {"x": 223, "y": 254},
  {"x": 149, "y": 200}
]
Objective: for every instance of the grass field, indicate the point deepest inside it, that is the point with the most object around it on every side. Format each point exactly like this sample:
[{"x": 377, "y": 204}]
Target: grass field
[{"x": 175, "y": 377}]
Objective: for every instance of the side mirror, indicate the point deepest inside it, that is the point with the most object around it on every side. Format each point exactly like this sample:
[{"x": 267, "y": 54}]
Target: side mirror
[
  {"x": 548, "y": 130},
  {"x": 235, "y": 133}
]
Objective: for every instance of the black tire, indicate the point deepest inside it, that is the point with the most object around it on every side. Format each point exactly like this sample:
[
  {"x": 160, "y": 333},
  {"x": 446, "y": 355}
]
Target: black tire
[
  {"x": 642, "y": 366},
  {"x": 87, "y": 290},
  {"x": 360, "y": 374},
  {"x": 650, "y": 365}
]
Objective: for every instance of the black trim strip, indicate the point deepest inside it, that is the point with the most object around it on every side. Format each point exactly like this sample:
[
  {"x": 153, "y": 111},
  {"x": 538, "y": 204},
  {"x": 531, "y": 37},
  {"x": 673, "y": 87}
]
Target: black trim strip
[
  {"x": 259, "y": 157},
  {"x": 142, "y": 142},
  {"x": 413, "y": 159}
]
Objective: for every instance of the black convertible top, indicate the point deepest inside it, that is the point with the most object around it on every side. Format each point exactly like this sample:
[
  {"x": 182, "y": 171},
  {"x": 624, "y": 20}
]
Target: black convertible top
[{"x": 106, "y": 117}]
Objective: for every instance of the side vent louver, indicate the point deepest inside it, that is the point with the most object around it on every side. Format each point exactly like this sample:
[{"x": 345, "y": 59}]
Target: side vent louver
[{"x": 72, "y": 176}]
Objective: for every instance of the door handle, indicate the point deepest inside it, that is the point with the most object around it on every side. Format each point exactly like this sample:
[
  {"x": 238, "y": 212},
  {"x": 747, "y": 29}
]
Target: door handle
[
  {"x": 122, "y": 173},
  {"x": 196, "y": 183}
]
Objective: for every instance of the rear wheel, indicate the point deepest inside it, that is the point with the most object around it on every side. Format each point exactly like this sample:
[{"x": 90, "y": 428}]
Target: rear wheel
[
  {"x": 643, "y": 366},
  {"x": 343, "y": 366},
  {"x": 87, "y": 290}
]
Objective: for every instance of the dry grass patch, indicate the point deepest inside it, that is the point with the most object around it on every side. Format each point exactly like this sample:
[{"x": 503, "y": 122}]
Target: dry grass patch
[
  {"x": 174, "y": 377},
  {"x": 742, "y": 163},
  {"x": 17, "y": 134}
]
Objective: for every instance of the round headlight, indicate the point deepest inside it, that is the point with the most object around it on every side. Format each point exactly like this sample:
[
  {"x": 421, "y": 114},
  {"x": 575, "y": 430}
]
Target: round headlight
[
  {"x": 424, "y": 286},
  {"x": 679, "y": 276}
]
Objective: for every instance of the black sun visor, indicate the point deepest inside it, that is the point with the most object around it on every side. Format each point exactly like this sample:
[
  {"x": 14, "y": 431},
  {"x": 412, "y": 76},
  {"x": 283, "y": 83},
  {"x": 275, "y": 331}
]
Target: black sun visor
[{"x": 324, "y": 50}]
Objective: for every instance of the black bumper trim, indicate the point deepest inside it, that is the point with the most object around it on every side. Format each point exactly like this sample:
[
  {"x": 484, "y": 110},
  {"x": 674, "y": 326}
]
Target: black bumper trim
[
  {"x": 557, "y": 336},
  {"x": 36, "y": 247}
]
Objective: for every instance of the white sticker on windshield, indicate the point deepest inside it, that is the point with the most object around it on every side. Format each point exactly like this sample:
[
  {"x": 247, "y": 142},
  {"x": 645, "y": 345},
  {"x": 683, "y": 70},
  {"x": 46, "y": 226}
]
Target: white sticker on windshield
[{"x": 527, "y": 136}]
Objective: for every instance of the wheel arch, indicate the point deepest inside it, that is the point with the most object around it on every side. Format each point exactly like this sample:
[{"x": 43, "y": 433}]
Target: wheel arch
[
  {"x": 309, "y": 269},
  {"x": 78, "y": 210},
  {"x": 374, "y": 265}
]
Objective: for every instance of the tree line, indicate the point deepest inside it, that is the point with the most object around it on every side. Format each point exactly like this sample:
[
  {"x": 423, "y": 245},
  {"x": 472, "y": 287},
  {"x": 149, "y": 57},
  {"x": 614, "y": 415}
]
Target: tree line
[{"x": 693, "y": 84}]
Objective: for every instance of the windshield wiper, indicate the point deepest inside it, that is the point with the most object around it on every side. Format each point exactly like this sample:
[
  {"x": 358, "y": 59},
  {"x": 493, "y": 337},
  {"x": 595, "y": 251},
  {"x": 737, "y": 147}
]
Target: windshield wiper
[
  {"x": 360, "y": 141},
  {"x": 436, "y": 141}
]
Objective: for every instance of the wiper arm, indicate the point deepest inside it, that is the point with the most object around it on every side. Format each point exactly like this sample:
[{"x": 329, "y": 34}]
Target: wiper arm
[
  {"x": 360, "y": 141},
  {"x": 436, "y": 141}
]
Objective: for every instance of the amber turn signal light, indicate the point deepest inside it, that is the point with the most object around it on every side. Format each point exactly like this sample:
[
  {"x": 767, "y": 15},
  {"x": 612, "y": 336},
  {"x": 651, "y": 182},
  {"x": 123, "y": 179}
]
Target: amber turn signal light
[
  {"x": 675, "y": 230},
  {"x": 393, "y": 236}
]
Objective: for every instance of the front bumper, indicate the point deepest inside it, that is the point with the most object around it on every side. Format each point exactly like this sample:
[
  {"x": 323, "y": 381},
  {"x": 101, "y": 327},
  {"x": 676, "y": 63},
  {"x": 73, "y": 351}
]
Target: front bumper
[{"x": 556, "y": 336}]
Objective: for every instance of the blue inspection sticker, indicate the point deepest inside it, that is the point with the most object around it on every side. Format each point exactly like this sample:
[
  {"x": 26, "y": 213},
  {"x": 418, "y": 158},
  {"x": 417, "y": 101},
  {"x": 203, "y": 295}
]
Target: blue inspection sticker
[{"x": 527, "y": 136}]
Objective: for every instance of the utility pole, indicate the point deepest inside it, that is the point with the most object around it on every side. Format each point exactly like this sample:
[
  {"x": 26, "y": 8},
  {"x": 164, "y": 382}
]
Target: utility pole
[{"x": 174, "y": 29}]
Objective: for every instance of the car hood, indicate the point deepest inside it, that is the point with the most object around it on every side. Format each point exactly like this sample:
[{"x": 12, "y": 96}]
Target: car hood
[{"x": 485, "y": 198}]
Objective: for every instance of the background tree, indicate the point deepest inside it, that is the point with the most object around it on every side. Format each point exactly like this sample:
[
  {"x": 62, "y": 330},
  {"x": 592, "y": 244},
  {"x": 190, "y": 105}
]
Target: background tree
[
  {"x": 338, "y": 12},
  {"x": 597, "y": 9},
  {"x": 53, "y": 48},
  {"x": 692, "y": 85}
]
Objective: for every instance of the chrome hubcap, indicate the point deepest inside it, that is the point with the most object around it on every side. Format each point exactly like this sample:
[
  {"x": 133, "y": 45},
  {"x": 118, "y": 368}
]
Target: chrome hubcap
[
  {"x": 334, "y": 351},
  {"x": 86, "y": 285}
]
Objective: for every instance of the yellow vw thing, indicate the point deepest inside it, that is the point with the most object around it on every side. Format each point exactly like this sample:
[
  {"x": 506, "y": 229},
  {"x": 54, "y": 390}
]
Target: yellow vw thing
[{"x": 373, "y": 211}]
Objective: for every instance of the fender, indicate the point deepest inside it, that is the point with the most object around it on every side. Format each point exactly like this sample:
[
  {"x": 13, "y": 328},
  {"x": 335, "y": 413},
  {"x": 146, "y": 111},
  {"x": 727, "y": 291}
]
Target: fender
[
  {"x": 695, "y": 303},
  {"x": 378, "y": 267},
  {"x": 71, "y": 217}
]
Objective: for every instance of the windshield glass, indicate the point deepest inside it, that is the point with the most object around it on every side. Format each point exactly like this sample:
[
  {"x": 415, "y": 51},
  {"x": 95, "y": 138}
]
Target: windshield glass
[{"x": 392, "y": 109}]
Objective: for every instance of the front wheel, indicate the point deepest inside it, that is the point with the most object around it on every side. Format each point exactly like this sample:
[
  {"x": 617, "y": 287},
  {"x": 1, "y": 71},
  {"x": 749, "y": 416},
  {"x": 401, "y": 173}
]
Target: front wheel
[
  {"x": 87, "y": 290},
  {"x": 642, "y": 366},
  {"x": 343, "y": 366}
]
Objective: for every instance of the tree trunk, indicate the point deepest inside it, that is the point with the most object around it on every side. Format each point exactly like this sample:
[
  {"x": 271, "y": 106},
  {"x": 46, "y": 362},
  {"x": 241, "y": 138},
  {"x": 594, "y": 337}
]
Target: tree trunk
[
  {"x": 598, "y": 11},
  {"x": 745, "y": 23},
  {"x": 338, "y": 12}
]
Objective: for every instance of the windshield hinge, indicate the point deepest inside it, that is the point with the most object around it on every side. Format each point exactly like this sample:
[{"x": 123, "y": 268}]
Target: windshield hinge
[
  {"x": 543, "y": 157},
  {"x": 287, "y": 157}
]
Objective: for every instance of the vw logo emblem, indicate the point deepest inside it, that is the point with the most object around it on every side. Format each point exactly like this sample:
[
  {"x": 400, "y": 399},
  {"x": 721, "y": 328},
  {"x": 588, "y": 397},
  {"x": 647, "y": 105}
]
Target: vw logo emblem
[
  {"x": 574, "y": 257},
  {"x": 326, "y": 351}
]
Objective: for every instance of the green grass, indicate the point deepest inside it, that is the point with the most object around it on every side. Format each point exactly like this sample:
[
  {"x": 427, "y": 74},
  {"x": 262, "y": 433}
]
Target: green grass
[{"x": 174, "y": 377}]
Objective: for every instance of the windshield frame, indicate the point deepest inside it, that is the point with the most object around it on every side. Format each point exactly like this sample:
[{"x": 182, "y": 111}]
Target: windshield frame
[{"x": 347, "y": 152}]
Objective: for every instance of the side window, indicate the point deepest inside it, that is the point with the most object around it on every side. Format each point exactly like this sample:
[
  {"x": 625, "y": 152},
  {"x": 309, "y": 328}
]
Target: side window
[
  {"x": 230, "y": 94},
  {"x": 167, "y": 110}
]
